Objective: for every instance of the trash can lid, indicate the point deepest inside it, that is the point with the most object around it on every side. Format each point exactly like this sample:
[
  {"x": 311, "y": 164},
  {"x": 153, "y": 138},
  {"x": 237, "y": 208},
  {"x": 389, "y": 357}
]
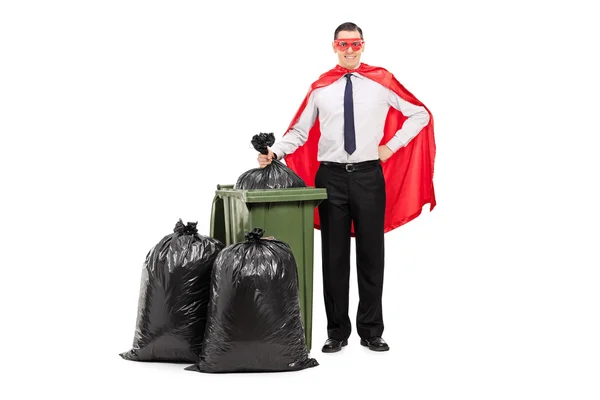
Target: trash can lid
[{"x": 272, "y": 195}]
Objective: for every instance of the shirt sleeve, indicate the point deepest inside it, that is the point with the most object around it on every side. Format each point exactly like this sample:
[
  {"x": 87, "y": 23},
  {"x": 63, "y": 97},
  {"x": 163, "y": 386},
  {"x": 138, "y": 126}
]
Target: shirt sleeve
[
  {"x": 298, "y": 134},
  {"x": 418, "y": 118}
]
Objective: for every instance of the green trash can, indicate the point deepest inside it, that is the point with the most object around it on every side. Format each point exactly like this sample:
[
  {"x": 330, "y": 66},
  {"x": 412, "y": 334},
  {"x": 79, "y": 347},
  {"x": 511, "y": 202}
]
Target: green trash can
[{"x": 286, "y": 214}]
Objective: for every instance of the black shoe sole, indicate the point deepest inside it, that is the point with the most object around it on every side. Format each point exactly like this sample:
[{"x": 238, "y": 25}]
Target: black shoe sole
[
  {"x": 334, "y": 349},
  {"x": 374, "y": 348}
]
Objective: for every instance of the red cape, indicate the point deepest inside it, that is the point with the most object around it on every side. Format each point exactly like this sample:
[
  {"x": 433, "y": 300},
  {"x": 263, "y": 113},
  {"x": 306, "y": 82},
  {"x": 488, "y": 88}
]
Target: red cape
[{"x": 408, "y": 173}]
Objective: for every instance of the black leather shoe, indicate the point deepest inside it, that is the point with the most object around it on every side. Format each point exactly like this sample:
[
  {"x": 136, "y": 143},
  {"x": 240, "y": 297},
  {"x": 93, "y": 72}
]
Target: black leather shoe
[
  {"x": 375, "y": 343},
  {"x": 333, "y": 345}
]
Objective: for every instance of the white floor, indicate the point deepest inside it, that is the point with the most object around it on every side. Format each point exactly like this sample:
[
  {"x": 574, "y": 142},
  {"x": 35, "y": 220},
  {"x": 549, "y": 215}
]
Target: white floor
[{"x": 456, "y": 330}]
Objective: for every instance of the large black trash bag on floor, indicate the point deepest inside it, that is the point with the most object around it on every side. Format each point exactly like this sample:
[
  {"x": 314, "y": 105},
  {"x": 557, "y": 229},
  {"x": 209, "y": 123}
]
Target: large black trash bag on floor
[
  {"x": 254, "y": 322},
  {"x": 276, "y": 175},
  {"x": 174, "y": 296}
]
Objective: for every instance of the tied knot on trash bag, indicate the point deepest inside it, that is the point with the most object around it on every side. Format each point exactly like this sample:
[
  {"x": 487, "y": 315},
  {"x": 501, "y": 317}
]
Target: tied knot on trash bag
[
  {"x": 189, "y": 229},
  {"x": 183, "y": 229},
  {"x": 262, "y": 141},
  {"x": 255, "y": 235},
  {"x": 276, "y": 175}
]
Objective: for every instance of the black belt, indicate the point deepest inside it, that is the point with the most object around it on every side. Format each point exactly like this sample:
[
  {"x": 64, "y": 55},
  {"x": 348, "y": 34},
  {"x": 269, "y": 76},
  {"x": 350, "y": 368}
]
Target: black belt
[{"x": 351, "y": 167}]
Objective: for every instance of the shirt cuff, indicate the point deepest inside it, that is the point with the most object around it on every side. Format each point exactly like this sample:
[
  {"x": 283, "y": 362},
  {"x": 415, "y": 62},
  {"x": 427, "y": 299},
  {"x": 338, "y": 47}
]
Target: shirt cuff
[
  {"x": 280, "y": 154},
  {"x": 395, "y": 144}
]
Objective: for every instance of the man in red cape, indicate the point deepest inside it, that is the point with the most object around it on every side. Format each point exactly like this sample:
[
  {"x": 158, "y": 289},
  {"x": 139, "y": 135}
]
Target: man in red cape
[
  {"x": 408, "y": 174},
  {"x": 348, "y": 165}
]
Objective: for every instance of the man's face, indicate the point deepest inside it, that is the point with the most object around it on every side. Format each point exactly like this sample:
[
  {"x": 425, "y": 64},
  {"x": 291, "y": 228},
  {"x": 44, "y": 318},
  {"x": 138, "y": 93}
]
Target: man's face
[{"x": 349, "y": 47}]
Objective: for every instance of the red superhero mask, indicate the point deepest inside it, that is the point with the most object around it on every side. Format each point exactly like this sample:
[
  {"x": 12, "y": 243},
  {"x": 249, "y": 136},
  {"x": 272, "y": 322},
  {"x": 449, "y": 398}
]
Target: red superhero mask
[{"x": 344, "y": 44}]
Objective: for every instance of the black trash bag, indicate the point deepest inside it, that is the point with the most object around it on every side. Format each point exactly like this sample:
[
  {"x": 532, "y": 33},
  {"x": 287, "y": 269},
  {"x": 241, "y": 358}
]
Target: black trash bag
[
  {"x": 276, "y": 175},
  {"x": 254, "y": 322},
  {"x": 174, "y": 296}
]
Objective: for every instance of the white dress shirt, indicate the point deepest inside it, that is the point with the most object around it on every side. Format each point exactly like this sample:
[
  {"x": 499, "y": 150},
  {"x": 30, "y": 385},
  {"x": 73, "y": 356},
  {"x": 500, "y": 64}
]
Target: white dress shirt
[{"x": 371, "y": 104}]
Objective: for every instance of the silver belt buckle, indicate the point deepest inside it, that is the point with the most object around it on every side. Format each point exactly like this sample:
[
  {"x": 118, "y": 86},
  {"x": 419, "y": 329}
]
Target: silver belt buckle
[{"x": 349, "y": 167}]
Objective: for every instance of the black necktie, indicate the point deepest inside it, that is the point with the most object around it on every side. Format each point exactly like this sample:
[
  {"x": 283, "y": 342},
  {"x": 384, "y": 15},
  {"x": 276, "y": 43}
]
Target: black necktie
[{"x": 349, "y": 135}]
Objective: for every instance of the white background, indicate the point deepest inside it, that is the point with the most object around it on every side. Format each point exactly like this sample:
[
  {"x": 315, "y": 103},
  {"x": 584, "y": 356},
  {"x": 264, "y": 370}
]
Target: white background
[{"x": 117, "y": 118}]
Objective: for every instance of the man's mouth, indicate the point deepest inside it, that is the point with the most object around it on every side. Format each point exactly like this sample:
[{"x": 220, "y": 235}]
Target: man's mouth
[{"x": 350, "y": 57}]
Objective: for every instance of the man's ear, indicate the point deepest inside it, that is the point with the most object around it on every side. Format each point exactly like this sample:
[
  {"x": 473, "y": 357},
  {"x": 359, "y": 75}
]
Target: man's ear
[{"x": 333, "y": 47}]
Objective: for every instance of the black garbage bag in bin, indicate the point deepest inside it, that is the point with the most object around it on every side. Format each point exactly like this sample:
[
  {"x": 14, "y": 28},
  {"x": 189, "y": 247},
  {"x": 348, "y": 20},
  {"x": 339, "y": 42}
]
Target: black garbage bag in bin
[
  {"x": 276, "y": 175},
  {"x": 254, "y": 322},
  {"x": 174, "y": 296}
]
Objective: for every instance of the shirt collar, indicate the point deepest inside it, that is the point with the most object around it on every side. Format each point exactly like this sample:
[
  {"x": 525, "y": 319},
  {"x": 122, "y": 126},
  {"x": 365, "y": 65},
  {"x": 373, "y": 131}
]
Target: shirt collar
[{"x": 355, "y": 73}]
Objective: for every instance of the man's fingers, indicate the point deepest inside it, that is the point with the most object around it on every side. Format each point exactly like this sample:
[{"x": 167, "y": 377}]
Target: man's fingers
[{"x": 263, "y": 160}]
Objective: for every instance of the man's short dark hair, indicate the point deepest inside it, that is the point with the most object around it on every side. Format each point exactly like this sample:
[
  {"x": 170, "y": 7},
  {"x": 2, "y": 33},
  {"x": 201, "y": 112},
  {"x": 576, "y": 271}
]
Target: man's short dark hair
[{"x": 348, "y": 26}]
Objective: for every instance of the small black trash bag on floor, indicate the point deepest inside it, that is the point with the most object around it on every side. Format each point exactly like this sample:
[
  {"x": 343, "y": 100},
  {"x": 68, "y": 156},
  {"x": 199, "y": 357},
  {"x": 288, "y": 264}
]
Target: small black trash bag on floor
[
  {"x": 174, "y": 296},
  {"x": 254, "y": 322},
  {"x": 276, "y": 175}
]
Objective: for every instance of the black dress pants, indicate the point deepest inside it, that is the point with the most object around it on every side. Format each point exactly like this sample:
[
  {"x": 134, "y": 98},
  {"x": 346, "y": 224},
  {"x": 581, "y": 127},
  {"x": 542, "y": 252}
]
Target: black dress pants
[{"x": 355, "y": 193}]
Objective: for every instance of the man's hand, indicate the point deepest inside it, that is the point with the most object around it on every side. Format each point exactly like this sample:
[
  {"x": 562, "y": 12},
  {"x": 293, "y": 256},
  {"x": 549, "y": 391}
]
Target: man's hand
[
  {"x": 264, "y": 160},
  {"x": 384, "y": 153}
]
